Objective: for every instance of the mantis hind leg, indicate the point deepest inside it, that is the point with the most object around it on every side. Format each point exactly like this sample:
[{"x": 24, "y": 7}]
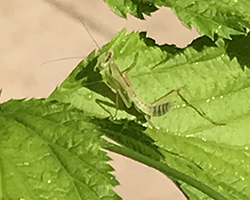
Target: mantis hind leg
[
  {"x": 161, "y": 99},
  {"x": 199, "y": 111}
]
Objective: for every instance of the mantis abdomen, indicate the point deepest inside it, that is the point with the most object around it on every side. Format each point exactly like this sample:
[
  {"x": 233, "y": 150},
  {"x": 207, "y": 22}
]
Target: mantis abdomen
[
  {"x": 150, "y": 109},
  {"x": 162, "y": 109}
]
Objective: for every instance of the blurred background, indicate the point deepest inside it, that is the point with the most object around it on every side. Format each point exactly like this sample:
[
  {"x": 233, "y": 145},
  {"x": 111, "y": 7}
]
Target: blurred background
[{"x": 35, "y": 32}]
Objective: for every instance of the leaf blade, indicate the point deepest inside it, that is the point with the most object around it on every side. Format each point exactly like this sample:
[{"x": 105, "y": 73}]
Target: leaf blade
[{"x": 47, "y": 152}]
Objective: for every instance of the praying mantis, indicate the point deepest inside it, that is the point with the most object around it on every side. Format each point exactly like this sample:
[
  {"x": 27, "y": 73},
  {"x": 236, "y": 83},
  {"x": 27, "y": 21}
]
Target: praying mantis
[{"x": 119, "y": 81}]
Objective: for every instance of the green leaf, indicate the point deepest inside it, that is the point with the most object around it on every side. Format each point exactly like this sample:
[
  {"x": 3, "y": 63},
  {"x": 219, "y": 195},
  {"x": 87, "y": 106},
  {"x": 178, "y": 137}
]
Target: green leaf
[
  {"x": 50, "y": 151},
  {"x": 188, "y": 148},
  {"x": 220, "y": 17},
  {"x": 136, "y": 8}
]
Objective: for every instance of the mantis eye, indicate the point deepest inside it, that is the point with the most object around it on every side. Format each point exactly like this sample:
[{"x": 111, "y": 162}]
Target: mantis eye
[{"x": 108, "y": 60}]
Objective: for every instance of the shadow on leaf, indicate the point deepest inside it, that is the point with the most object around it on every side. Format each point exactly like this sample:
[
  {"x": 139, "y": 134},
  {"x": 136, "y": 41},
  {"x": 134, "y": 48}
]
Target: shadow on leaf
[
  {"x": 239, "y": 47},
  {"x": 130, "y": 134}
]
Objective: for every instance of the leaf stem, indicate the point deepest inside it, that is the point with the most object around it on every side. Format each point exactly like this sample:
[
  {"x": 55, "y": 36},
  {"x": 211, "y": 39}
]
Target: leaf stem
[{"x": 167, "y": 170}]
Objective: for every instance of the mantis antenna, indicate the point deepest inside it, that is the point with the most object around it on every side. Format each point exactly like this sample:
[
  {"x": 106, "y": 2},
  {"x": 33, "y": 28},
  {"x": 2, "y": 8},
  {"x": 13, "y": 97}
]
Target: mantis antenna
[{"x": 74, "y": 14}]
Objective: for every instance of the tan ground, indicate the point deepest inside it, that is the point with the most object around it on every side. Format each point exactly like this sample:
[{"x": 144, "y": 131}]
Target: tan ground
[{"x": 33, "y": 32}]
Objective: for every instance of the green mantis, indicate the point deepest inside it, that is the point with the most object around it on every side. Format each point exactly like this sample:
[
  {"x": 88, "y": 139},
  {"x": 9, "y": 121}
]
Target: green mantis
[{"x": 119, "y": 81}]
